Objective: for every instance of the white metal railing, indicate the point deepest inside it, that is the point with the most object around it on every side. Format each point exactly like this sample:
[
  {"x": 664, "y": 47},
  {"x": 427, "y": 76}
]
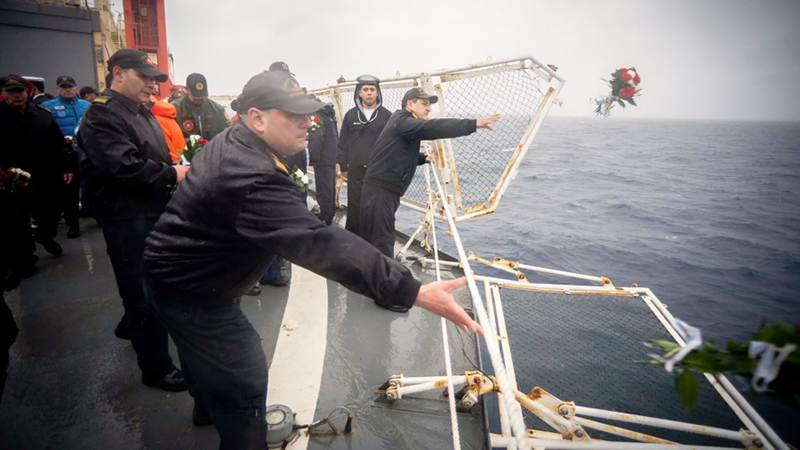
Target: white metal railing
[{"x": 521, "y": 89}]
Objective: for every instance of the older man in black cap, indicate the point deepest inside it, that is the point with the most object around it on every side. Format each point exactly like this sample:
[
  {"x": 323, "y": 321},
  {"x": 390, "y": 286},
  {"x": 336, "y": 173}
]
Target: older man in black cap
[
  {"x": 129, "y": 175},
  {"x": 238, "y": 208},
  {"x": 33, "y": 142},
  {"x": 198, "y": 114},
  {"x": 396, "y": 157}
]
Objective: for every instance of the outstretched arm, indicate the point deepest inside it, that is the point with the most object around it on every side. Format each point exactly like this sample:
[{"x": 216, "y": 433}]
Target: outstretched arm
[
  {"x": 437, "y": 298},
  {"x": 486, "y": 122}
]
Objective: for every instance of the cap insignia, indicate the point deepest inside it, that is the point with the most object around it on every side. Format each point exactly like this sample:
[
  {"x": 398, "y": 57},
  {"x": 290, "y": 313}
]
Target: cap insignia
[{"x": 199, "y": 86}]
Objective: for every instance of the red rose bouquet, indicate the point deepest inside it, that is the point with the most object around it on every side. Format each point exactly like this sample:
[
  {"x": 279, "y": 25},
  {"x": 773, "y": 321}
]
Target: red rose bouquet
[
  {"x": 12, "y": 179},
  {"x": 624, "y": 86},
  {"x": 316, "y": 123}
]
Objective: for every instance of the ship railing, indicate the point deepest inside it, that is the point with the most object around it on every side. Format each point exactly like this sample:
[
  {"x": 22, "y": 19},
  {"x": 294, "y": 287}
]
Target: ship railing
[
  {"x": 567, "y": 419},
  {"x": 521, "y": 89}
]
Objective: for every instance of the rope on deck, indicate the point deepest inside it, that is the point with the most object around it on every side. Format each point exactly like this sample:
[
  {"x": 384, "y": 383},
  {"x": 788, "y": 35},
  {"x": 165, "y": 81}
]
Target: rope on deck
[
  {"x": 451, "y": 398},
  {"x": 492, "y": 346}
]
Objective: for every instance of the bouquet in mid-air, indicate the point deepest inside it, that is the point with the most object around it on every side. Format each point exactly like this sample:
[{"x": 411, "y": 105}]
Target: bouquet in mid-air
[{"x": 624, "y": 86}]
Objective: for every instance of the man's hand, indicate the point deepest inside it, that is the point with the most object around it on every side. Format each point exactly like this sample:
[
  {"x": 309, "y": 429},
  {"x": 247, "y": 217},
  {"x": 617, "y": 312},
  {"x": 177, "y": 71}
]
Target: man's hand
[
  {"x": 181, "y": 170},
  {"x": 68, "y": 177},
  {"x": 429, "y": 159},
  {"x": 486, "y": 122},
  {"x": 437, "y": 298}
]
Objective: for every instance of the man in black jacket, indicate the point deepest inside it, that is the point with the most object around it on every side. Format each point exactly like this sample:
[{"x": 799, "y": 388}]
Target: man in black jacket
[
  {"x": 33, "y": 142},
  {"x": 322, "y": 151},
  {"x": 395, "y": 159},
  {"x": 238, "y": 208},
  {"x": 129, "y": 174},
  {"x": 361, "y": 127}
]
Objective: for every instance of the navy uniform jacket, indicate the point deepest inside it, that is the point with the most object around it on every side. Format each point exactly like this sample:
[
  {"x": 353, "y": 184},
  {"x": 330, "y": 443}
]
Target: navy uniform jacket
[
  {"x": 238, "y": 208},
  {"x": 322, "y": 145},
  {"x": 126, "y": 163},
  {"x": 32, "y": 142},
  {"x": 357, "y": 139},
  {"x": 397, "y": 155}
]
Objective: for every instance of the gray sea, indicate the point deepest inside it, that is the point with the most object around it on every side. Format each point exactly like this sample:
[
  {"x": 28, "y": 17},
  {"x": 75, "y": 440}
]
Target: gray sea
[{"x": 705, "y": 213}]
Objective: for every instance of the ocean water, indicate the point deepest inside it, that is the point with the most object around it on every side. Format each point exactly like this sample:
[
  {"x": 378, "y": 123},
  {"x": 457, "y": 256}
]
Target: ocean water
[{"x": 705, "y": 213}]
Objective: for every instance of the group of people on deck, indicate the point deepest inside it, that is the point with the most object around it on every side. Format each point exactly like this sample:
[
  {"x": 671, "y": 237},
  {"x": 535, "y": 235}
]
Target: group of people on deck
[{"x": 190, "y": 240}]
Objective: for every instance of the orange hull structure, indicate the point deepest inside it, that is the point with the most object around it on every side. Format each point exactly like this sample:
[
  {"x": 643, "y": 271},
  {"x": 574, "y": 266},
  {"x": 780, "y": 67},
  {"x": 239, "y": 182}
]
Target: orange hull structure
[{"x": 146, "y": 31}]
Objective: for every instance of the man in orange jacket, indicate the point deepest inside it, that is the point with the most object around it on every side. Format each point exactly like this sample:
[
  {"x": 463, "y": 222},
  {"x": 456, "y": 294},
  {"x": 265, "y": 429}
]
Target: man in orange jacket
[{"x": 165, "y": 114}]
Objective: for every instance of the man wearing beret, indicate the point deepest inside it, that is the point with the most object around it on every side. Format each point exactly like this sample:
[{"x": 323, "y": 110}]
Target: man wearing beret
[
  {"x": 236, "y": 210},
  {"x": 395, "y": 159},
  {"x": 129, "y": 175},
  {"x": 198, "y": 114}
]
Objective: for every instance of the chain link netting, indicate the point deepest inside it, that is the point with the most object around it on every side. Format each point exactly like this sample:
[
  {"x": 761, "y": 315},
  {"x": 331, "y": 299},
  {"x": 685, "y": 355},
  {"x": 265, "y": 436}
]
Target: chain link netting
[
  {"x": 479, "y": 159},
  {"x": 584, "y": 348}
]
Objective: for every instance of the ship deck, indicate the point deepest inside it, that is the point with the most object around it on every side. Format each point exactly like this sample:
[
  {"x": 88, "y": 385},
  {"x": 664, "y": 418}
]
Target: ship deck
[{"x": 73, "y": 384}]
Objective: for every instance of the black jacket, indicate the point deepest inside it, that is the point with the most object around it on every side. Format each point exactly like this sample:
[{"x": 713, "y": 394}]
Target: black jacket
[
  {"x": 357, "y": 138},
  {"x": 322, "y": 145},
  {"x": 397, "y": 155},
  {"x": 238, "y": 208},
  {"x": 33, "y": 142},
  {"x": 126, "y": 162}
]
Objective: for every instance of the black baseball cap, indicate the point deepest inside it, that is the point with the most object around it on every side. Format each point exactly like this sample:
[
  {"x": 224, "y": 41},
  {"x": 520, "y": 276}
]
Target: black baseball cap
[
  {"x": 66, "y": 80},
  {"x": 87, "y": 90},
  {"x": 196, "y": 83},
  {"x": 128, "y": 58},
  {"x": 280, "y": 66},
  {"x": 12, "y": 83},
  {"x": 416, "y": 92},
  {"x": 275, "y": 89}
]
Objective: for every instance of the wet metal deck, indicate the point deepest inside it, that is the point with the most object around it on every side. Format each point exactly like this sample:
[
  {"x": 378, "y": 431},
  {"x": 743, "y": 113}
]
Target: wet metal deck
[{"x": 72, "y": 384}]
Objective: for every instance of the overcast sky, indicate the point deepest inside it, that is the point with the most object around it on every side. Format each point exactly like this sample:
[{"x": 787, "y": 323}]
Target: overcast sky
[{"x": 698, "y": 59}]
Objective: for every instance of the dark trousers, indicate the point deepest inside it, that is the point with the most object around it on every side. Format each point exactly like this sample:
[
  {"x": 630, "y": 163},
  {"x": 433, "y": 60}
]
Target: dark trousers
[
  {"x": 355, "y": 184},
  {"x": 326, "y": 191},
  {"x": 378, "y": 207},
  {"x": 8, "y": 334},
  {"x": 273, "y": 270},
  {"x": 46, "y": 211},
  {"x": 224, "y": 366},
  {"x": 125, "y": 248},
  {"x": 70, "y": 199}
]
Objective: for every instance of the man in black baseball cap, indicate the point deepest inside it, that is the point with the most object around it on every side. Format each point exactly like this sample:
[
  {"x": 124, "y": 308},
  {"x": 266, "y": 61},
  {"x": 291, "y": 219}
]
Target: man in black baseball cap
[
  {"x": 128, "y": 175},
  {"x": 280, "y": 66},
  {"x": 238, "y": 207},
  {"x": 88, "y": 93},
  {"x": 198, "y": 114},
  {"x": 418, "y": 93},
  {"x": 65, "y": 81},
  {"x": 128, "y": 58},
  {"x": 396, "y": 157}
]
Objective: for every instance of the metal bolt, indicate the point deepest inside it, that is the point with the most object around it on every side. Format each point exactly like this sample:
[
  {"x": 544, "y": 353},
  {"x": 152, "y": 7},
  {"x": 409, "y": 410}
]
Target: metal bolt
[
  {"x": 579, "y": 433},
  {"x": 758, "y": 443},
  {"x": 564, "y": 411}
]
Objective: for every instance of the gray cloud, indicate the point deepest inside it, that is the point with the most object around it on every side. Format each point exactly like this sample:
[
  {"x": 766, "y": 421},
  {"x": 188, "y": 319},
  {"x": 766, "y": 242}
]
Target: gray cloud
[{"x": 700, "y": 59}]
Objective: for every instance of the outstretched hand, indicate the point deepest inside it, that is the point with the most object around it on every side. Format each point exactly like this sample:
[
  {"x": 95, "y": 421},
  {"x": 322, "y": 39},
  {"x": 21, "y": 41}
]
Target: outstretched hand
[
  {"x": 437, "y": 298},
  {"x": 486, "y": 122}
]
